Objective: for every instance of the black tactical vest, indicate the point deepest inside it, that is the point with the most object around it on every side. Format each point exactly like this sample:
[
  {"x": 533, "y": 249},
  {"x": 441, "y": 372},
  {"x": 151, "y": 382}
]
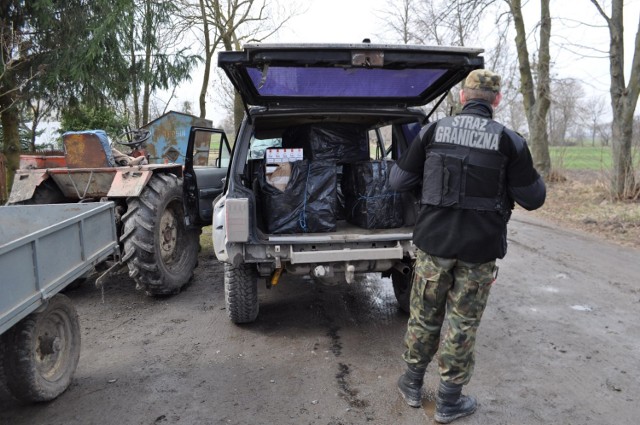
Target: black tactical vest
[{"x": 464, "y": 167}]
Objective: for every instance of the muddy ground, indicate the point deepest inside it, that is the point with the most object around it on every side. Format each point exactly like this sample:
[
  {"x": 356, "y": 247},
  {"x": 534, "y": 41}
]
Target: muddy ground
[{"x": 559, "y": 344}]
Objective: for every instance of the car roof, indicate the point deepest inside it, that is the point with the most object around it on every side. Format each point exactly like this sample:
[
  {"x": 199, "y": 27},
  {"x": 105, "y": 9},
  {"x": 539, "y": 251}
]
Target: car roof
[{"x": 346, "y": 74}]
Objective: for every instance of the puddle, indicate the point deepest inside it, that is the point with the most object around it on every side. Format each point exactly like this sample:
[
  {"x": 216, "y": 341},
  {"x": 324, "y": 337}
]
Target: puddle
[
  {"x": 582, "y": 308},
  {"x": 429, "y": 403}
]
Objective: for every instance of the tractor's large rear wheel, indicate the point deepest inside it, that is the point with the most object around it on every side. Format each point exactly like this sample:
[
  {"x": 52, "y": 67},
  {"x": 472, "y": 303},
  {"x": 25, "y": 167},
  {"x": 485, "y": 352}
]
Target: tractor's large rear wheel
[{"x": 159, "y": 250}]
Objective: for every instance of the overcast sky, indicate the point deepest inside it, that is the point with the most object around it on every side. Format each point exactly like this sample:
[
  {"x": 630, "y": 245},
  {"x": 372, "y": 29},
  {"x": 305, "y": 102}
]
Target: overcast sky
[{"x": 349, "y": 21}]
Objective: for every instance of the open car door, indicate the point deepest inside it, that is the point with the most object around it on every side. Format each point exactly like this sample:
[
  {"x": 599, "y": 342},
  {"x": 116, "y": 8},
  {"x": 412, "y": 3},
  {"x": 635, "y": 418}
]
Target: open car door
[{"x": 205, "y": 171}]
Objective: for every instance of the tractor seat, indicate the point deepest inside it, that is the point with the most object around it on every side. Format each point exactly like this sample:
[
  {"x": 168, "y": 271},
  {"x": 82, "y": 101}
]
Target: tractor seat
[{"x": 87, "y": 149}]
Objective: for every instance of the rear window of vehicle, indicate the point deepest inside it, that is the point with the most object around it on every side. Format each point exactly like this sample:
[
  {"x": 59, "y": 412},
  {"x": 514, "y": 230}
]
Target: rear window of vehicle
[{"x": 342, "y": 82}]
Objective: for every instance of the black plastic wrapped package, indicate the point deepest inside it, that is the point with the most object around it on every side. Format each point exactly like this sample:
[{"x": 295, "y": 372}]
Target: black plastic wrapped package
[
  {"x": 343, "y": 143},
  {"x": 369, "y": 200},
  {"x": 308, "y": 203}
]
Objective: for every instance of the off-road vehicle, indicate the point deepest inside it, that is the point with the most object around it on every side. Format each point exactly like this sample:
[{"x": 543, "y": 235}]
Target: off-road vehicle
[{"x": 320, "y": 203}]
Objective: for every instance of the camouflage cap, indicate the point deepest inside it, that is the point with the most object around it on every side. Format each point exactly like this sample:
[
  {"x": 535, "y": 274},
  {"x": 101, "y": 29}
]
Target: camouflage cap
[{"x": 483, "y": 79}]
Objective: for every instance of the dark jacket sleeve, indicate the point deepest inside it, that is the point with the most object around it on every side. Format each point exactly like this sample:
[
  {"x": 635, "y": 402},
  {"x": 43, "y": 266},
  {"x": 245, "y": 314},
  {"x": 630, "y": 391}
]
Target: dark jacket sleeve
[
  {"x": 530, "y": 197},
  {"x": 525, "y": 185},
  {"x": 407, "y": 172},
  {"x": 401, "y": 180}
]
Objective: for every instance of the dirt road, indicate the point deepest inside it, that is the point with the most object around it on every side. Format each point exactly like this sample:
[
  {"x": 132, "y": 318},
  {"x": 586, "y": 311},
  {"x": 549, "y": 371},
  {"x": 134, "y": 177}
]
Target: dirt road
[{"x": 559, "y": 344}]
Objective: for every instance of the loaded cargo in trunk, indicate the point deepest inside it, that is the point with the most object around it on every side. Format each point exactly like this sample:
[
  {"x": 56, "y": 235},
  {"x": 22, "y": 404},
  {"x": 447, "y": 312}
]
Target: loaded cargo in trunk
[
  {"x": 337, "y": 182},
  {"x": 350, "y": 110}
]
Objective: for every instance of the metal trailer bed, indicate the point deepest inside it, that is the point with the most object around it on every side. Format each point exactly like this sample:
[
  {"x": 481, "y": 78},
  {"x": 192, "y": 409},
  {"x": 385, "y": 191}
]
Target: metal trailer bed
[{"x": 43, "y": 248}]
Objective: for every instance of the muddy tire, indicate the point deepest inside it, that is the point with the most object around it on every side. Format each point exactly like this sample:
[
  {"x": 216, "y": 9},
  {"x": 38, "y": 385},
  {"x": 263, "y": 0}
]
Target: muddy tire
[
  {"x": 4, "y": 391},
  {"x": 241, "y": 292},
  {"x": 158, "y": 249},
  {"x": 42, "y": 352},
  {"x": 402, "y": 284}
]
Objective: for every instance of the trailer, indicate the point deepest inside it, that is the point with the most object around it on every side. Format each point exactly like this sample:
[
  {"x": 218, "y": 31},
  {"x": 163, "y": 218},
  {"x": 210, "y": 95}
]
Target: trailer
[{"x": 44, "y": 248}]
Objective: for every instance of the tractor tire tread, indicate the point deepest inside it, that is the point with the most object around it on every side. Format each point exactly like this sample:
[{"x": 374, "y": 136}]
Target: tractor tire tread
[{"x": 142, "y": 247}]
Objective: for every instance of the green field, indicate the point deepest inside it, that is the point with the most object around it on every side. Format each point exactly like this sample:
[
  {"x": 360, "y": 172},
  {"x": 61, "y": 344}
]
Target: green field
[{"x": 580, "y": 157}]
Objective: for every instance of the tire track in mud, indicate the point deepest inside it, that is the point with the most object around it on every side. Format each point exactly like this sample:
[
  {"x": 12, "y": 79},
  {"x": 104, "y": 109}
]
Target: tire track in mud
[{"x": 346, "y": 390}]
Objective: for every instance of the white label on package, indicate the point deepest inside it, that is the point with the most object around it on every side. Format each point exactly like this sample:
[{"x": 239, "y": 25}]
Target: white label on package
[{"x": 275, "y": 156}]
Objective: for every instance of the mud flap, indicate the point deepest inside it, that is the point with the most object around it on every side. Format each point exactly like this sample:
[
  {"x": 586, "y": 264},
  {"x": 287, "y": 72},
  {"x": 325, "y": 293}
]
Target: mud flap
[
  {"x": 24, "y": 185},
  {"x": 129, "y": 182}
]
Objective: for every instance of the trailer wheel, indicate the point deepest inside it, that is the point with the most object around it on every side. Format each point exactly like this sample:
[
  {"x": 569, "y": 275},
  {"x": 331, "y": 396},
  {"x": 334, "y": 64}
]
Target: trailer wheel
[
  {"x": 4, "y": 391},
  {"x": 241, "y": 292},
  {"x": 402, "y": 284},
  {"x": 42, "y": 352},
  {"x": 159, "y": 250}
]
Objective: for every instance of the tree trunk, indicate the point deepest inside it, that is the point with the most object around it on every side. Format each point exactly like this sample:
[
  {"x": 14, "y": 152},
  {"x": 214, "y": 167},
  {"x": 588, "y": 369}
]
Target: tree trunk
[
  {"x": 623, "y": 101},
  {"x": 11, "y": 147},
  {"x": 34, "y": 128},
  {"x": 622, "y": 177},
  {"x": 536, "y": 99},
  {"x": 208, "y": 51},
  {"x": 135, "y": 93},
  {"x": 539, "y": 139},
  {"x": 146, "y": 94},
  {"x": 238, "y": 111}
]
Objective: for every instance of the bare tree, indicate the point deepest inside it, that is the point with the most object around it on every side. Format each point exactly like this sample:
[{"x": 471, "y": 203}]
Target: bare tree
[
  {"x": 500, "y": 59},
  {"x": 399, "y": 18},
  {"x": 228, "y": 24},
  {"x": 566, "y": 94},
  {"x": 604, "y": 131},
  {"x": 592, "y": 111},
  {"x": 186, "y": 107},
  {"x": 159, "y": 58},
  {"x": 450, "y": 23},
  {"x": 37, "y": 110},
  {"x": 624, "y": 98},
  {"x": 536, "y": 97}
]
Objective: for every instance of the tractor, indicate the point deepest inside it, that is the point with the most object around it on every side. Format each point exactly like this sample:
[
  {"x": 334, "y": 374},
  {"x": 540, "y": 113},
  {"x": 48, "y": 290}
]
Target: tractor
[{"x": 158, "y": 237}]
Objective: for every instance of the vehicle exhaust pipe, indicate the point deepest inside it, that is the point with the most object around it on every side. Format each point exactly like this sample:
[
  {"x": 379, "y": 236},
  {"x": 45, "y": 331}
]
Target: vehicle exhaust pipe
[{"x": 402, "y": 268}]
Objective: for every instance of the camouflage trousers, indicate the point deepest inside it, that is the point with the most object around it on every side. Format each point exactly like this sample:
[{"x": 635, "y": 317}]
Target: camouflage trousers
[{"x": 451, "y": 289}]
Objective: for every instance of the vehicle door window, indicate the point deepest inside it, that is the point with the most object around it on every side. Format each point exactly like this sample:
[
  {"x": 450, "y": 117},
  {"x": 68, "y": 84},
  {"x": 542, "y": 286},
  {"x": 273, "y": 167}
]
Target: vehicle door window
[
  {"x": 259, "y": 147},
  {"x": 409, "y": 132},
  {"x": 380, "y": 142},
  {"x": 219, "y": 150}
]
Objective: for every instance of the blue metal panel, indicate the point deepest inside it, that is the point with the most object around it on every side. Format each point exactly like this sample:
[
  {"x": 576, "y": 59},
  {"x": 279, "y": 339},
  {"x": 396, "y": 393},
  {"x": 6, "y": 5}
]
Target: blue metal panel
[{"x": 169, "y": 135}]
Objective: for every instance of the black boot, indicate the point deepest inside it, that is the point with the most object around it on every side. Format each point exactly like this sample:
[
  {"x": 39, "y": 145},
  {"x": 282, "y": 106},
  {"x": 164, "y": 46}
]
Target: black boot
[
  {"x": 410, "y": 385},
  {"x": 451, "y": 404}
]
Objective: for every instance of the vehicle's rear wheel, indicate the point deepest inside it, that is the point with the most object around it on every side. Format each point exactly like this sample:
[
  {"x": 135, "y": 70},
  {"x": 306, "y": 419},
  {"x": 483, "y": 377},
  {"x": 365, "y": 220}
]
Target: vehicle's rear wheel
[
  {"x": 42, "y": 352},
  {"x": 159, "y": 250},
  {"x": 241, "y": 292},
  {"x": 402, "y": 283}
]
